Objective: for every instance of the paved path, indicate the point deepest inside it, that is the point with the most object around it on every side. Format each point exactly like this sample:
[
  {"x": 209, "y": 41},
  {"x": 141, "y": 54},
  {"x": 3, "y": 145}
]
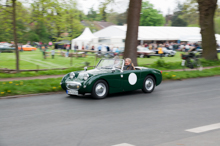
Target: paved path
[
  {"x": 31, "y": 78},
  {"x": 57, "y": 76},
  {"x": 167, "y": 117}
]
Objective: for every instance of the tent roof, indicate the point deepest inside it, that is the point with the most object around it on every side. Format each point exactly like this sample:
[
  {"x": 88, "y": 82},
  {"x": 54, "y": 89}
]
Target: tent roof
[
  {"x": 150, "y": 32},
  {"x": 85, "y": 36}
]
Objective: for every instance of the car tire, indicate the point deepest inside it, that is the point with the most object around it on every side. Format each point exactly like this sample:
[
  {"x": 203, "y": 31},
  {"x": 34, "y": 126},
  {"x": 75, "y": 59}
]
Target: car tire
[
  {"x": 149, "y": 84},
  {"x": 100, "y": 89}
]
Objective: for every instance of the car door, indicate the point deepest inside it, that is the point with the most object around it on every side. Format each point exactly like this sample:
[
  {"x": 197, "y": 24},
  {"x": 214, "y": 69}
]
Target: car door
[
  {"x": 114, "y": 80},
  {"x": 131, "y": 80}
]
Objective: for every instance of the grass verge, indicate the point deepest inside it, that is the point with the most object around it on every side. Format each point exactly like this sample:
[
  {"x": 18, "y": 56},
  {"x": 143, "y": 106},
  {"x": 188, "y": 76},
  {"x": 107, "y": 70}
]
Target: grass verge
[
  {"x": 178, "y": 75},
  {"x": 52, "y": 85},
  {"x": 30, "y": 87}
]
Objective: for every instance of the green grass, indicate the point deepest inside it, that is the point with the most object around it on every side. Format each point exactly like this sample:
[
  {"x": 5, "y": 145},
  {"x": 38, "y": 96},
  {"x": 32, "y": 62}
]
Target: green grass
[
  {"x": 52, "y": 85},
  {"x": 34, "y": 59},
  {"x": 162, "y": 65},
  {"x": 190, "y": 74},
  {"x": 29, "y": 87}
]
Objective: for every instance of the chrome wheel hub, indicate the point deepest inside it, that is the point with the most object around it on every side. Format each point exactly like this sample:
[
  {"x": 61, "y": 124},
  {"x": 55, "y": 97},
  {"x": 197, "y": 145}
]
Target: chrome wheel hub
[
  {"x": 100, "y": 89},
  {"x": 149, "y": 84}
]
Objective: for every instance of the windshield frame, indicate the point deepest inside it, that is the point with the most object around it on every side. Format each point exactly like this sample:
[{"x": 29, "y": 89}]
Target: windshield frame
[{"x": 123, "y": 62}]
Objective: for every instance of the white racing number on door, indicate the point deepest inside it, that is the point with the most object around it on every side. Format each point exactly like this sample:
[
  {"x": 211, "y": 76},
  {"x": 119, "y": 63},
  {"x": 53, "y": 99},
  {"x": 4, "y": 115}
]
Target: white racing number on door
[{"x": 132, "y": 78}]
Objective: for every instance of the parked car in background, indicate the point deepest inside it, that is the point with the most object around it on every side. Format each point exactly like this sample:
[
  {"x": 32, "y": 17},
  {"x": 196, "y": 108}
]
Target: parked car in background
[
  {"x": 144, "y": 52},
  {"x": 27, "y": 48},
  {"x": 167, "y": 53},
  {"x": 6, "y": 48}
]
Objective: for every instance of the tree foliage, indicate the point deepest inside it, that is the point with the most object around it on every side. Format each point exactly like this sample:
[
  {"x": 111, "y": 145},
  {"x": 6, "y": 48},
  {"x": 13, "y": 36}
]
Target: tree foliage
[
  {"x": 150, "y": 16},
  {"x": 42, "y": 21},
  {"x": 177, "y": 20}
]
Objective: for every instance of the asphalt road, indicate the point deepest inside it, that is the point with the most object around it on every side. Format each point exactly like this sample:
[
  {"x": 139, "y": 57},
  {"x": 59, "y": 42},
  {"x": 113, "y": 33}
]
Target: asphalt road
[{"x": 134, "y": 118}]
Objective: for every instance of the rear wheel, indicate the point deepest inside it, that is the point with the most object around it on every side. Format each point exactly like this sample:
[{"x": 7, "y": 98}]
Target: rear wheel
[
  {"x": 100, "y": 89},
  {"x": 149, "y": 84}
]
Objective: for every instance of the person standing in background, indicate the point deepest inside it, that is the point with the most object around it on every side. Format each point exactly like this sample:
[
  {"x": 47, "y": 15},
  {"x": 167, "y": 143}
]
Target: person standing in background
[
  {"x": 75, "y": 47},
  {"x": 22, "y": 48},
  {"x": 67, "y": 50},
  {"x": 100, "y": 48},
  {"x": 160, "y": 51},
  {"x": 52, "y": 53}
]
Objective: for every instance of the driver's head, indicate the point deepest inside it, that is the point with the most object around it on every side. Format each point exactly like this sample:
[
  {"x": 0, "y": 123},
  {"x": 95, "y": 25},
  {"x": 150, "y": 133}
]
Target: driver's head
[{"x": 127, "y": 61}]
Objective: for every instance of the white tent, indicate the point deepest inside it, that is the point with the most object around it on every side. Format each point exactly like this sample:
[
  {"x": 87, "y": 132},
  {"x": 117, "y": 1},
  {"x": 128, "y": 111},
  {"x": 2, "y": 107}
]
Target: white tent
[
  {"x": 85, "y": 38},
  {"x": 197, "y": 38},
  {"x": 218, "y": 38},
  {"x": 149, "y": 32}
]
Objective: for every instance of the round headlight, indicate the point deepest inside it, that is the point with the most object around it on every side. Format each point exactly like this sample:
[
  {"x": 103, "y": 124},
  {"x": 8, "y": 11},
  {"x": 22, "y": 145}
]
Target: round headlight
[
  {"x": 72, "y": 75},
  {"x": 86, "y": 76}
]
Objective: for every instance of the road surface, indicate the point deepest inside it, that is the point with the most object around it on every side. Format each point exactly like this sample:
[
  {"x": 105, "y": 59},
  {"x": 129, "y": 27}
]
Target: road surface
[{"x": 177, "y": 113}]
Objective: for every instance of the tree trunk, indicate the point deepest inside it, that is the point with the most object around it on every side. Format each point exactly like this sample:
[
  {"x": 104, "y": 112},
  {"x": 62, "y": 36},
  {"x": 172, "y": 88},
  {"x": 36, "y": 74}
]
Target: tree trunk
[
  {"x": 133, "y": 20},
  {"x": 15, "y": 35},
  {"x": 207, "y": 11}
]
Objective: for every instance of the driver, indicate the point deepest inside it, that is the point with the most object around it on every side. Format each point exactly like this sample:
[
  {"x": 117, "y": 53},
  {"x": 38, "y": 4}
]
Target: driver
[{"x": 128, "y": 64}]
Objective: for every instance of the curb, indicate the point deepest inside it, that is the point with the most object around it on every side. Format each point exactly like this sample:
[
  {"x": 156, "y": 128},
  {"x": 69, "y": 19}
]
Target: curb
[{"x": 26, "y": 95}]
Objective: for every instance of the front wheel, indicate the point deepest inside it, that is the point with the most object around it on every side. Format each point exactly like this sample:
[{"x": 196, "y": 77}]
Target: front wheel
[
  {"x": 100, "y": 89},
  {"x": 149, "y": 84}
]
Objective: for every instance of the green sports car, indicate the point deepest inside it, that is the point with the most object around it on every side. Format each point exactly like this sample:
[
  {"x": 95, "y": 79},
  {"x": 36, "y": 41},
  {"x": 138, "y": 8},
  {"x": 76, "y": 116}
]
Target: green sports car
[{"x": 109, "y": 77}]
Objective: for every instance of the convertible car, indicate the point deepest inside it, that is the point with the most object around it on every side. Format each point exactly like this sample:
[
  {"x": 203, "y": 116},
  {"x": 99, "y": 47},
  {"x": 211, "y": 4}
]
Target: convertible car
[{"x": 109, "y": 77}]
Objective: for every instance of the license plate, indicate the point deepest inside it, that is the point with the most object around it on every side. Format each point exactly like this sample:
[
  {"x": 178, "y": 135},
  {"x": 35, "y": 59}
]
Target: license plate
[
  {"x": 72, "y": 92},
  {"x": 183, "y": 62}
]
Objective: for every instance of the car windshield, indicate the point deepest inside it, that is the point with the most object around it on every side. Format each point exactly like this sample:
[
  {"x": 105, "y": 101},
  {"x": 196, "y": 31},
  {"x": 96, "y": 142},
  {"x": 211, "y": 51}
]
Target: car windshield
[{"x": 110, "y": 64}]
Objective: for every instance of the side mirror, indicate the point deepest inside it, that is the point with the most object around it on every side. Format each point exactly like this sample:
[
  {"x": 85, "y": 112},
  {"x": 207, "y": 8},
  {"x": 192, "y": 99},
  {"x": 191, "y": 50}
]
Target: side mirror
[
  {"x": 85, "y": 68},
  {"x": 113, "y": 70}
]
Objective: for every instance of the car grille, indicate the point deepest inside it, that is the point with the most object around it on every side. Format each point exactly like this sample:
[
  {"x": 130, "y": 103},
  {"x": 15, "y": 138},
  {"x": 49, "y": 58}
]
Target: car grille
[{"x": 73, "y": 86}]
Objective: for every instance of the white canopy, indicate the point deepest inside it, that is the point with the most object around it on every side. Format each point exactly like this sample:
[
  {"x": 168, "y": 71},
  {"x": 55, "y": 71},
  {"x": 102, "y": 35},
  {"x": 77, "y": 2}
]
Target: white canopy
[
  {"x": 197, "y": 38},
  {"x": 149, "y": 32},
  {"x": 218, "y": 38},
  {"x": 85, "y": 38}
]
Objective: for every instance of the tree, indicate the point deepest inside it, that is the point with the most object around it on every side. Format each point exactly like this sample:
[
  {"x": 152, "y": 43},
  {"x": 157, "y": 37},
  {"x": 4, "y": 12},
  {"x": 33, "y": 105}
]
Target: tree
[
  {"x": 176, "y": 19},
  {"x": 150, "y": 16},
  {"x": 190, "y": 13},
  {"x": 103, "y": 8},
  {"x": 92, "y": 14},
  {"x": 15, "y": 34},
  {"x": 10, "y": 7},
  {"x": 133, "y": 20},
  {"x": 117, "y": 18},
  {"x": 206, "y": 20}
]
